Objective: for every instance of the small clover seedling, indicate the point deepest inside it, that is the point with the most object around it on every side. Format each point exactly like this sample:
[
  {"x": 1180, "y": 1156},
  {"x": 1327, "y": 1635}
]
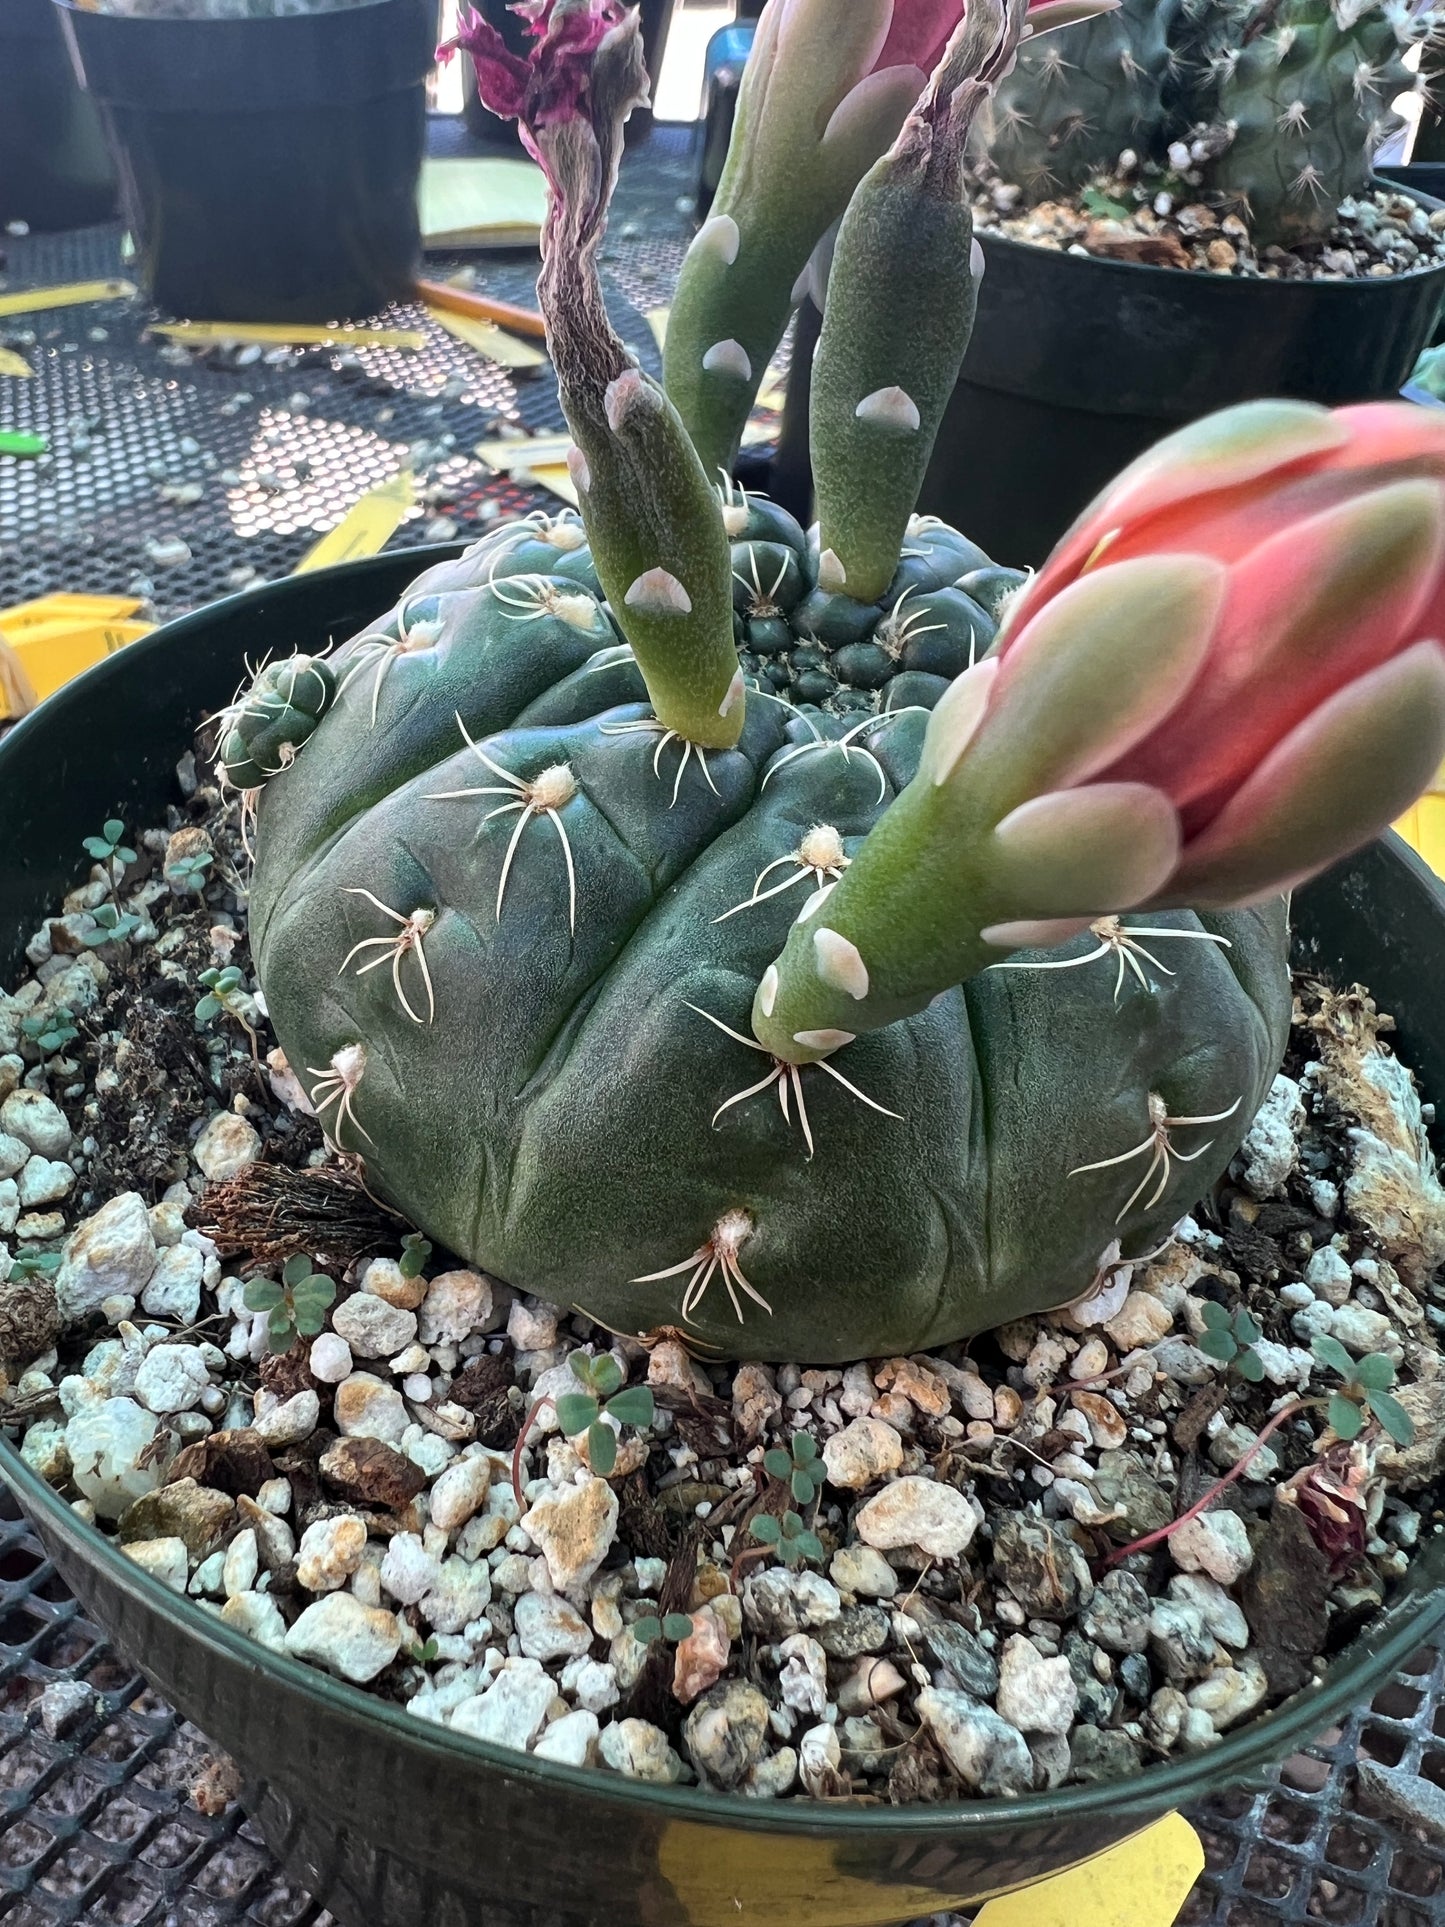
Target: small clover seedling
[
  {"x": 1231, "y": 1339},
  {"x": 798, "y": 1465},
  {"x": 1366, "y": 1388},
  {"x": 297, "y": 1307},
  {"x": 584, "y": 1411},
  {"x": 415, "y": 1250},
  {"x": 109, "y": 851},
  {"x": 672, "y": 1627},
  {"x": 50, "y": 1031},
  {"x": 421, "y": 1652},
  {"x": 112, "y": 925},
  {"x": 190, "y": 870},
  {"x": 222, "y": 987},
  {"x": 36, "y": 1264},
  {"x": 226, "y": 991},
  {"x": 789, "y": 1538}
]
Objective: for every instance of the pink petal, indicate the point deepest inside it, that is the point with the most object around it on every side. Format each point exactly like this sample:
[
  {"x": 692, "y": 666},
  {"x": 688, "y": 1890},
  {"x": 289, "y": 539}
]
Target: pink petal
[
  {"x": 1197, "y": 471},
  {"x": 1338, "y": 780},
  {"x": 919, "y": 32},
  {"x": 1312, "y": 608},
  {"x": 1098, "y": 670}
]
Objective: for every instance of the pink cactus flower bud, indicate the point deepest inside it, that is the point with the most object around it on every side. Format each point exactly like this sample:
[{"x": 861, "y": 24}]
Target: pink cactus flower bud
[{"x": 1290, "y": 700}]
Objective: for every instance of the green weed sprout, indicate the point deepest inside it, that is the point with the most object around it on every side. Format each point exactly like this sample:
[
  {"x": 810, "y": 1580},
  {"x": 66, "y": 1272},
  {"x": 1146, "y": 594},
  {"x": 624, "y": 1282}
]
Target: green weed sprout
[
  {"x": 584, "y": 1411},
  {"x": 296, "y": 1307},
  {"x": 799, "y": 1465},
  {"x": 415, "y": 1250},
  {"x": 788, "y": 1538},
  {"x": 1366, "y": 1390},
  {"x": 50, "y": 1031},
  {"x": 671, "y": 1627},
  {"x": 1231, "y": 1338}
]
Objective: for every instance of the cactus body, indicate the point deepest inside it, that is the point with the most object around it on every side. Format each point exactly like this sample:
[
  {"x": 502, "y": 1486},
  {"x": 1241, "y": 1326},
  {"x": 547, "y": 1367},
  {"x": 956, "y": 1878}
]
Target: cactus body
[
  {"x": 1074, "y": 102},
  {"x": 555, "y": 1117},
  {"x": 1308, "y": 96}
]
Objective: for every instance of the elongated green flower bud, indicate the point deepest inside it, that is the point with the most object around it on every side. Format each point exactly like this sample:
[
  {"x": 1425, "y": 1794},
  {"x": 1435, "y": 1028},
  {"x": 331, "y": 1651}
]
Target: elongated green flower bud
[
  {"x": 901, "y": 296},
  {"x": 652, "y": 518}
]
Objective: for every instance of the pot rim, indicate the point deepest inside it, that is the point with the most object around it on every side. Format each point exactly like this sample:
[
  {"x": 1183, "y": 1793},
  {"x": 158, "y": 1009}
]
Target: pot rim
[
  {"x": 1250, "y": 286},
  {"x": 1379, "y": 1649}
]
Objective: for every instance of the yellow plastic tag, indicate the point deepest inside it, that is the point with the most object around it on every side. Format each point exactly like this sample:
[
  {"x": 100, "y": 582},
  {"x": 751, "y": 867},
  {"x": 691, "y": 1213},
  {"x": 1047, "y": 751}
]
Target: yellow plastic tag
[
  {"x": 13, "y": 364},
  {"x": 536, "y": 451},
  {"x": 656, "y": 319},
  {"x": 507, "y": 350},
  {"x": 1423, "y": 825},
  {"x": 557, "y": 477},
  {"x": 287, "y": 334},
  {"x": 1143, "y": 1882},
  {"x": 56, "y": 636},
  {"x": 71, "y": 295},
  {"x": 366, "y": 527}
]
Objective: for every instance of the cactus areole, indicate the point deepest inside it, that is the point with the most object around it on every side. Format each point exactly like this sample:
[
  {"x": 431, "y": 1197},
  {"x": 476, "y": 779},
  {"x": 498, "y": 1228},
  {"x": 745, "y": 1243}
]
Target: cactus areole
[{"x": 712, "y": 924}]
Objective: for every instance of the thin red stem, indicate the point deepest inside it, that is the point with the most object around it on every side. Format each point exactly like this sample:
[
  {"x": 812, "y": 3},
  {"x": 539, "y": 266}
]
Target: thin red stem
[
  {"x": 517, "y": 1449},
  {"x": 1202, "y": 1504}
]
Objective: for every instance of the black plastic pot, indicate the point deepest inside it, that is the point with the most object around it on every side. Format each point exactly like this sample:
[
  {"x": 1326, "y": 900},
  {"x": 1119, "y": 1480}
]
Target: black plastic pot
[
  {"x": 268, "y": 166},
  {"x": 1077, "y": 365},
  {"x": 393, "y": 1823},
  {"x": 54, "y": 168}
]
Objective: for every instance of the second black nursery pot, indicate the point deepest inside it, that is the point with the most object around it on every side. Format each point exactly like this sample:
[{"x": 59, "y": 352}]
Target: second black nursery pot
[
  {"x": 268, "y": 166},
  {"x": 1077, "y": 365},
  {"x": 391, "y": 1822},
  {"x": 54, "y": 168}
]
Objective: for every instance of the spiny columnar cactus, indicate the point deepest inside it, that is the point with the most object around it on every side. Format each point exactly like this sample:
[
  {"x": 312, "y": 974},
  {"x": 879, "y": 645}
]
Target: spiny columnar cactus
[
  {"x": 1072, "y": 106},
  {"x": 1306, "y": 95},
  {"x": 833, "y": 1026}
]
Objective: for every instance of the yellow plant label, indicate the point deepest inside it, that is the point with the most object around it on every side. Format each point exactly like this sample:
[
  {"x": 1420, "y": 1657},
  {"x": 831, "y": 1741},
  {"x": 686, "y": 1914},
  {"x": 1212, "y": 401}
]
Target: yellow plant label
[
  {"x": 507, "y": 350},
  {"x": 656, "y": 319},
  {"x": 287, "y": 334},
  {"x": 71, "y": 295},
  {"x": 13, "y": 364},
  {"x": 366, "y": 528},
  {"x": 1143, "y": 1882}
]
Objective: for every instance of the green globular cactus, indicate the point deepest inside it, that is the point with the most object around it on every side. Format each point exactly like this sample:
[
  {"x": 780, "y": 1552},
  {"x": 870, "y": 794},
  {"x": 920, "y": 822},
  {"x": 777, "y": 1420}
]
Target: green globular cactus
[
  {"x": 1306, "y": 98},
  {"x": 883, "y": 1015},
  {"x": 1073, "y": 105}
]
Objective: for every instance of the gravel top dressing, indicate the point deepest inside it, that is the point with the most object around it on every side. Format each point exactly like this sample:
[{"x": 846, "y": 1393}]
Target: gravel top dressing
[{"x": 924, "y": 1578}]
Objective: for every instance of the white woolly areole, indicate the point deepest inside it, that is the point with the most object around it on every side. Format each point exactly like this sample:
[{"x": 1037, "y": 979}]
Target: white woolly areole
[
  {"x": 579, "y": 471},
  {"x": 892, "y": 408},
  {"x": 718, "y": 235},
  {"x": 728, "y": 358},
  {"x": 768, "y": 990},
  {"x": 553, "y": 787},
  {"x": 840, "y": 964},
  {"x": 823, "y": 1039},
  {"x": 735, "y": 519},
  {"x": 656, "y": 593},
  {"x": 349, "y": 1063},
  {"x": 577, "y": 611},
  {"x": 832, "y": 576},
  {"x": 821, "y": 847},
  {"x": 734, "y": 693}
]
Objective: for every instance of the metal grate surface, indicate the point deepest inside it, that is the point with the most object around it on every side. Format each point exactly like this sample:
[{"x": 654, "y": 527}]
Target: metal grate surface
[
  {"x": 97, "y": 1826},
  {"x": 283, "y": 444}
]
